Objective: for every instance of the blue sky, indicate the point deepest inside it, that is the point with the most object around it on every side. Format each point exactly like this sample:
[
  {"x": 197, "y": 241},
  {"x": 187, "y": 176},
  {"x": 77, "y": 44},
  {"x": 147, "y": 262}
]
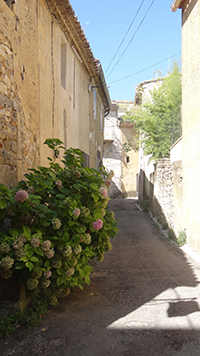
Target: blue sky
[{"x": 156, "y": 36}]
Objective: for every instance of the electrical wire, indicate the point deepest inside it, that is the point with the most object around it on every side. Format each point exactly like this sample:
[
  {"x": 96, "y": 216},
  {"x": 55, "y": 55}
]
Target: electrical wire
[
  {"x": 125, "y": 35},
  {"x": 131, "y": 39},
  {"x": 143, "y": 70}
]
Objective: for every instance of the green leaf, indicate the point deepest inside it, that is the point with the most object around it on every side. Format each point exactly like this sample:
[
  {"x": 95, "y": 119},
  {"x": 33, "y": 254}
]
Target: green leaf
[
  {"x": 60, "y": 232},
  {"x": 39, "y": 251},
  {"x": 14, "y": 233},
  {"x": 65, "y": 237},
  {"x": 45, "y": 222},
  {"x": 88, "y": 269},
  {"x": 52, "y": 174},
  {"x": 97, "y": 214},
  {"x": 34, "y": 259},
  {"x": 87, "y": 280},
  {"x": 29, "y": 265},
  {"x": 60, "y": 280},
  {"x": 37, "y": 268},
  {"x": 60, "y": 271},
  {"x": 28, "y": 247},
  {"x": 94, "y": 186},
  {"x": 19, "y": 265},
  {"x": 70, "y": 223},
  {"x": 60, "y": 196},
  {"x": 95, "y": 197},
  {"x": 30, "y": 252},
  {"x": 46, "y": 264},
  {"x": 24, "y": 258},
  {"x": 3, "y": 203},
  {"x": 27, "y": 231}
]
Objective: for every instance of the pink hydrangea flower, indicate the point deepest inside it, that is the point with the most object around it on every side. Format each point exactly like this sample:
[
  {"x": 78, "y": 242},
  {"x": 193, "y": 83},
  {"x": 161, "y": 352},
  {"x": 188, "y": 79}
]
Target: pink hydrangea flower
[
  {"x": 49, "y": 253},
  {"x": 103, "y": 191},
  {"x": 108, "y": 183},
  {"x": 21, "y": 196},
  {"x": 46, "y": 245},
  {"x": 97, "y": 225},
  {"x": 47, "y": 274},
  {"x": 76, "y": 212}
]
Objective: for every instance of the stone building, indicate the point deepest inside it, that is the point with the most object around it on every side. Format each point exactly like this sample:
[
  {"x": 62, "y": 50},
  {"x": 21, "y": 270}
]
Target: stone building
[
  {"x": 190, "y": 117},
  {"x": 51, "y": 86},
  {"x": 124, "y": 164}
]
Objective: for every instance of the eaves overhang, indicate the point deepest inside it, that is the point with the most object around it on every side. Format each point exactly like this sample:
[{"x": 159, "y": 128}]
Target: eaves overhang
[
  {"x": 177, "y": 4},
  {"x": 65, "y": 15}
]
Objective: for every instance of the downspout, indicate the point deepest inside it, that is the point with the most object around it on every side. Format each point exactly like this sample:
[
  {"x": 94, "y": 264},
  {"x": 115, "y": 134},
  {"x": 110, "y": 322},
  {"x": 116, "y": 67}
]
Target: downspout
[{"x": 105, "y": 90}]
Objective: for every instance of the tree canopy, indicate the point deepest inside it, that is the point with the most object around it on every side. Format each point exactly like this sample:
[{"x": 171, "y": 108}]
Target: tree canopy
[{"x": 158, "y": 118}]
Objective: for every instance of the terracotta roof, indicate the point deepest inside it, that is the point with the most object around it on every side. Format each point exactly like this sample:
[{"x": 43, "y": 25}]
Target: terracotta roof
[
  {"x": 177, "y": 4},
  {"x": 64, "y": 13}
]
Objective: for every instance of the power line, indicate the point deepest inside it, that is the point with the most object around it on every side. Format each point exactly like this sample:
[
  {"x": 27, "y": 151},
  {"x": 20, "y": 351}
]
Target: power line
[
  {"x": 125, "y": 35},
  {"x": 143, "y": 70},
  {"x": 131, "y": 38}
]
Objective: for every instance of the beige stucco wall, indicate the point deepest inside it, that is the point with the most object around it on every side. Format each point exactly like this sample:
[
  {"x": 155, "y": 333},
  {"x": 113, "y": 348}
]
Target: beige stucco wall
[
  {"x": 64, "y": 112},
  {"x": 191, "y": 120}
]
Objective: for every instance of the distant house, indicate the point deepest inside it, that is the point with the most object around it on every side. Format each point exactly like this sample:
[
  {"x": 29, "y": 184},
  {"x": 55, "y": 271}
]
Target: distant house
[
  {"x": 124, "y": 164},
  {"x": 50, "y": 86},
  {"x": 190, "y": 118}
]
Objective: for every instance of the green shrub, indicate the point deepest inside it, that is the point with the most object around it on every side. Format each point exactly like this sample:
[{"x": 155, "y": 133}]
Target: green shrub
[
  {"x": 171, "y": 234},
  {"x": 54, "y": 223},
  {"x": 182, "y": 238},
  {"x": 164, "y": 225}
]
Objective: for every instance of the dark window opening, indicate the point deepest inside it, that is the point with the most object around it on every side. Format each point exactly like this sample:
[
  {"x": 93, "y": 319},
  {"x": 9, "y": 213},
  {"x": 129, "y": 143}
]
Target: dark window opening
[
  {"x": 86, "y": 158},
  {"x": 63, "y": 64},
  {"x": 127, "y": 159}
]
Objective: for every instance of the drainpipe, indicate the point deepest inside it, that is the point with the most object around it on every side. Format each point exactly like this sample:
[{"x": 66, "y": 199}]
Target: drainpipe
[{"x": 105, "y": 90}]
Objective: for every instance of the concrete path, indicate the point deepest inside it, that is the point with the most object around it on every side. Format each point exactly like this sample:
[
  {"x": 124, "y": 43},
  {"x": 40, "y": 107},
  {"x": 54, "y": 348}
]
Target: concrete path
[{"x": 144, "y": 300}]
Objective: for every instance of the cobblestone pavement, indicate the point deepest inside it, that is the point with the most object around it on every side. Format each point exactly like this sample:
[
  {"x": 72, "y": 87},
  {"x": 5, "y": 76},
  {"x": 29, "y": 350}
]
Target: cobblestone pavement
[{"x": 143, "y": 301}]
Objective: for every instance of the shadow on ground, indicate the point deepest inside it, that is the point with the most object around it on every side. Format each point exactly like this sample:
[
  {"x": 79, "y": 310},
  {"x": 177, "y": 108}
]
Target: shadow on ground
[{"x": 143, "y": 301}]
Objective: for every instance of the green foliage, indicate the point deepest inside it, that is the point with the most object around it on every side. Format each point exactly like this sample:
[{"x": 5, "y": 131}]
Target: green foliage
[
  {"x": 54, "y": 223},
  {"x": 31, "y": 316},
  {"x": 171, "y": 234},
  {"x": 158, "y": 120},
  {"x": 181, "y": 238}
]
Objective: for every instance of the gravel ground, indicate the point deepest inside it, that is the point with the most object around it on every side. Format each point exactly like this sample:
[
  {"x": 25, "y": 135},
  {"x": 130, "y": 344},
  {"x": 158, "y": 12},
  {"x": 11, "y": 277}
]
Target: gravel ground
[{"x": 143, "y": 301}]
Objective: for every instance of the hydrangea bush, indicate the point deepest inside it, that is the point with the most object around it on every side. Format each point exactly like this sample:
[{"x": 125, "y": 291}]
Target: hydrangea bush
[{"x": 54, "y": 223}]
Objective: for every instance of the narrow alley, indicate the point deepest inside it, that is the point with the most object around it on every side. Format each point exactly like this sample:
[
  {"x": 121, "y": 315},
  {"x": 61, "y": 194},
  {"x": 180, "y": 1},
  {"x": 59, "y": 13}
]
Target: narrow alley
[{"x": 143, "y": 301}]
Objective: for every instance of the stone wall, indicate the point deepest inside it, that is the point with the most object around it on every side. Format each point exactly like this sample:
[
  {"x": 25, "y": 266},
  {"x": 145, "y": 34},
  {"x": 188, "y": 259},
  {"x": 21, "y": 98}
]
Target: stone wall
[
  {"x": 18, "y": 150},
  {"x": 162, "y": 195}
]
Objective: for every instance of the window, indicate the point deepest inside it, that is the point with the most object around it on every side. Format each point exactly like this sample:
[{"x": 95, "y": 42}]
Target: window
[
  {"x": 63, "y": 64},
  {"x": 127, "y": 159},
  {"x": 94, "y": 103},
  {"x": 10, "y": 3},
  {"x": 86, "y": 158}
]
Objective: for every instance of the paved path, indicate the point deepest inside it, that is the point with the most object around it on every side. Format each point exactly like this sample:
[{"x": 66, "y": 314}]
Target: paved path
[{"x": 143, "y": 301}]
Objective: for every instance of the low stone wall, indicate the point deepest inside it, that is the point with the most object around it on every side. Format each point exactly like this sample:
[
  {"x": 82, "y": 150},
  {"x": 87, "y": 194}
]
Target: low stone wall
[{"x": 162, "y": 195}]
